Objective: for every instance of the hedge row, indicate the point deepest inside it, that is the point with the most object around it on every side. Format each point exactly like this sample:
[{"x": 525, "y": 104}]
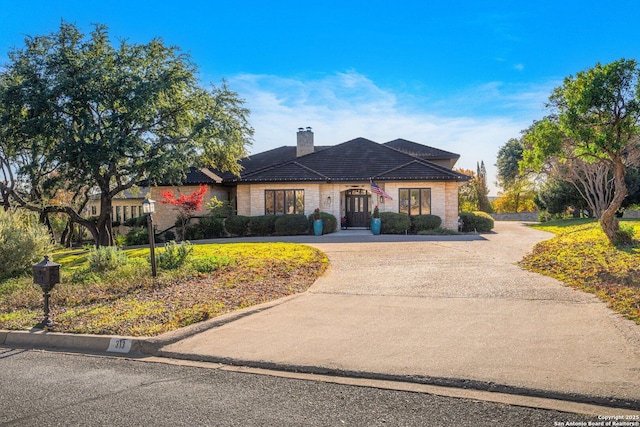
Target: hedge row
[
  {"x": 210, "y": 227},
  {"x": 397, "y": 223},
  {"x": 264, "y": 225},
  {"x": 394, "y": 223}
]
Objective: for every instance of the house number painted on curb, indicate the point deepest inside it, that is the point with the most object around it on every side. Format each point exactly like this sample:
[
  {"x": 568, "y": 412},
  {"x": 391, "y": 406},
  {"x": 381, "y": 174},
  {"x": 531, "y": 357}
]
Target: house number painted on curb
[{"x": 119, "y": 345}]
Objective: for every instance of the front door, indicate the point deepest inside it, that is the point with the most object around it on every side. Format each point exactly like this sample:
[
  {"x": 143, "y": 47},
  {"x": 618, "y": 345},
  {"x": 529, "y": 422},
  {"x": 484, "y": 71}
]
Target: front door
[{"x": 357, "y": 208}]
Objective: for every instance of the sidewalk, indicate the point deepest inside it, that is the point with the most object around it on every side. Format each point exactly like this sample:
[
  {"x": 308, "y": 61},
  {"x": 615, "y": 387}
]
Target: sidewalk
[{"x": 457, "y": 313}]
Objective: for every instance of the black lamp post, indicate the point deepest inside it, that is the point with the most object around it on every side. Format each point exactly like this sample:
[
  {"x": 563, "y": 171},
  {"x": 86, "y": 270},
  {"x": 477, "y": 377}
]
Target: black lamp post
[
  {"x": 149, "y": 207},
  {"x": 46, "y": 274}
]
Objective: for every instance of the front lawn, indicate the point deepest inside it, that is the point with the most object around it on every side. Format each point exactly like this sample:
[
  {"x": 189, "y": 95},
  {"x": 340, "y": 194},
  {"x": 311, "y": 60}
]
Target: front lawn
[
  {"x": 126, "y": 300},
  {"x": 581, "y": 256}
]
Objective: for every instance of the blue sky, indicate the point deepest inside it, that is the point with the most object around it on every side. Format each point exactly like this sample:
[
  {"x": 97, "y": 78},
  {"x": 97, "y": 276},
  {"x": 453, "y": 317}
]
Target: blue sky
[{"x": 463, "y": 76}]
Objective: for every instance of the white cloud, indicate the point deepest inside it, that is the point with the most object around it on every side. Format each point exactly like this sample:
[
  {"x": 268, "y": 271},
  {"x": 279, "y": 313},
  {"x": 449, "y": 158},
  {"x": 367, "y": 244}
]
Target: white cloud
[{"x": 343, "y": 106}]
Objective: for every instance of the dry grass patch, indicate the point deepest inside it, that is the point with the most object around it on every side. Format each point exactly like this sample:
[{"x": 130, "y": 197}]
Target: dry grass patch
[
  {"x": 128, "y": 301},
  {"x": 581, "y": 256}
]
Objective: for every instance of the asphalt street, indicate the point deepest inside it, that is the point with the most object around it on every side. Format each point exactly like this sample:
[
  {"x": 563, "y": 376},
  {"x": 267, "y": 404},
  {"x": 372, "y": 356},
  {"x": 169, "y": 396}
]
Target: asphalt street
[{"x": 39, "y": 388}]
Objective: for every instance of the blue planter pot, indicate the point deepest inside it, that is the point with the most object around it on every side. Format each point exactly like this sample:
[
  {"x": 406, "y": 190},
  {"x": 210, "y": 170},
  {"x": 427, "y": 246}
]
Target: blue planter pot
[
  {"x": 376, "y": 224},
  {"x": 317, "y": 227}
]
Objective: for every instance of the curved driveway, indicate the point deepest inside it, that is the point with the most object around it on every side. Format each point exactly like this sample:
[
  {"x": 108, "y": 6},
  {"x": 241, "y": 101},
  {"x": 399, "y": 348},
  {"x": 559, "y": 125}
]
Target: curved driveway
[{"x": 440, "y": 310}]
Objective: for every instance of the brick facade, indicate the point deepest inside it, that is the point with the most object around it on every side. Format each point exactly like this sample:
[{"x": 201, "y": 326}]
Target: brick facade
[{"x": 330, "y": 198}]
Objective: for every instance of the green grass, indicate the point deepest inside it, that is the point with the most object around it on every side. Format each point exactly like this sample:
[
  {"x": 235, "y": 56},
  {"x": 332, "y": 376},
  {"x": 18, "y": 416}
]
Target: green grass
[
  {"x": 581, "y": 256},
  {"x": 219, "y": 278}
]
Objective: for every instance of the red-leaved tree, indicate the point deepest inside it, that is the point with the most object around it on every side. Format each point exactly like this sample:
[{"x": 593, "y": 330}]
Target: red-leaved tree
[{"x": 187, "y": 205}]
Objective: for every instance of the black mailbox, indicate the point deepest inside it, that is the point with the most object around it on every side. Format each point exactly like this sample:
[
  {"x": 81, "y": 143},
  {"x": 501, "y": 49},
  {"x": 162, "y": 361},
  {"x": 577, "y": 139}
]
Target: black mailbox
[{"x": 46, "y": 274}]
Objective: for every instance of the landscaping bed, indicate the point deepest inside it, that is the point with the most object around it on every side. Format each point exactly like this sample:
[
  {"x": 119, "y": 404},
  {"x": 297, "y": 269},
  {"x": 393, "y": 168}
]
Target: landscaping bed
[
  {"x": 128, "y": 301},
  {"x": 581, "y": 256}
]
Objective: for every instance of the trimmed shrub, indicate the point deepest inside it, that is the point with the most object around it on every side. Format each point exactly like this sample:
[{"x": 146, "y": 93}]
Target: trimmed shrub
[
  {"x": 168, "y": 235},
  {"x": 480, "y": 222},
  {"x": 173, "y": 255},
  {"x": 106, "y": 258},
  {"x": 23, "y": 242},
  {"x": 137, "y": 236},
  {"x": 237, "y": 225},
  {"x": 394, "y": 223},
  {"x": 292, "y": 225},
  {"x": 212, "y": 227},
  {"x": 193, "y": 232},
  {"x": 329, "y": 223},
  {"x": 425, "y": 222},
  {"x": 139, "y": 221},
  {"x": 263, "y": 225},
  {"x": 207, "y": 227}
]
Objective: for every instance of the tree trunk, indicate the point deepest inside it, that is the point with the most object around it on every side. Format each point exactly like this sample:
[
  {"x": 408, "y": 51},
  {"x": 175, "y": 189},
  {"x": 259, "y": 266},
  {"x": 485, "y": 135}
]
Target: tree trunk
[
  {"x": 63, "y": 235},
  {"x": 44, "y": 219},
  {"x": 608, "y": 220},
  {"x": 105, "y": 235},
  {"x": 6, "y": 203}
]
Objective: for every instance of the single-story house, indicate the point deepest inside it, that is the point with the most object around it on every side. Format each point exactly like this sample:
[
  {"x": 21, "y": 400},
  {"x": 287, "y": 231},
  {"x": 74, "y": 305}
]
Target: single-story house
[{"x": 336, "y": 179}]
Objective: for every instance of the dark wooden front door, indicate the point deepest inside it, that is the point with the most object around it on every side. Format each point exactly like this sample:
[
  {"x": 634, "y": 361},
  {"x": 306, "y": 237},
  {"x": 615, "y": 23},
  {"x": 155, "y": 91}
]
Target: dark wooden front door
[{"x": 358, "y": 208}]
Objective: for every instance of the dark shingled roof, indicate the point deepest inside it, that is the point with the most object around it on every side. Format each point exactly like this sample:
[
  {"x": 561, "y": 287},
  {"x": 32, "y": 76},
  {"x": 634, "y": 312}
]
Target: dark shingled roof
[
  {"x": 357, "y": 160},
  {"x": 196, "y": 176},
  {"x": 421, "y": 151},
  {"x": 266, "y": 159}
]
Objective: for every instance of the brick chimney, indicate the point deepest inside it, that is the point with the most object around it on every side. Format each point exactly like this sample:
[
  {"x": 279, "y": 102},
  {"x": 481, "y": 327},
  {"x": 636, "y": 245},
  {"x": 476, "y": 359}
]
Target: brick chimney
[{"x": 305, "y": 142}]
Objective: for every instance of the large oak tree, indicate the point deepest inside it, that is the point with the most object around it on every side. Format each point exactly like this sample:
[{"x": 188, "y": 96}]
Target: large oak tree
[
  {"x": 592, "y": 134},
  {"x": 98, "y": 117}
]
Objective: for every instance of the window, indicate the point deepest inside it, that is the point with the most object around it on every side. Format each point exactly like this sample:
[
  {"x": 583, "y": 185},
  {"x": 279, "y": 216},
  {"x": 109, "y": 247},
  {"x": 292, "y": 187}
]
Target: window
[
  {"x": 415, "y": 201},
  {"x": 118, "y": 214},
  {"x": 125, "y": 213},
  {"x": 280, "y": 202}
]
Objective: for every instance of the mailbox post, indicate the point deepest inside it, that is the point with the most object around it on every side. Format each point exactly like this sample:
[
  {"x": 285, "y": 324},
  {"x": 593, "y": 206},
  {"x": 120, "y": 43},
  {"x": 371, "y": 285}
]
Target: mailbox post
[{"x": 46, "y": 274}]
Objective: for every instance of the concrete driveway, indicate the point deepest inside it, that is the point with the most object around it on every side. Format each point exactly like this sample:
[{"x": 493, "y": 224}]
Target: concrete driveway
[{"x": 440, "y": 311}]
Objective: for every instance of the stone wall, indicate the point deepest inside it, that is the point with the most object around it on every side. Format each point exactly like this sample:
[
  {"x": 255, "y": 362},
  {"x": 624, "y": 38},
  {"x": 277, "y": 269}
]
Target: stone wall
[
  {"x": 631, "y": 213},
  {"x": 520, "y": 216}
]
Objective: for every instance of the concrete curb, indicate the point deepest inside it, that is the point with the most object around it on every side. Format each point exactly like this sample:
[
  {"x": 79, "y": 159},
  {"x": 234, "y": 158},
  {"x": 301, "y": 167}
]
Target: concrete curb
[
  {"x": 73, "y": 343},
  {"x": 458, "y": 383}
]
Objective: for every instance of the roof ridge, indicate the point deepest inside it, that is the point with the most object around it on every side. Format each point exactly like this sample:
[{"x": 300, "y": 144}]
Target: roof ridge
[
  {"x": 445, "y": 171},
  {"x": 439, "y": 151},
  {"x": 398, "y": 167}
]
